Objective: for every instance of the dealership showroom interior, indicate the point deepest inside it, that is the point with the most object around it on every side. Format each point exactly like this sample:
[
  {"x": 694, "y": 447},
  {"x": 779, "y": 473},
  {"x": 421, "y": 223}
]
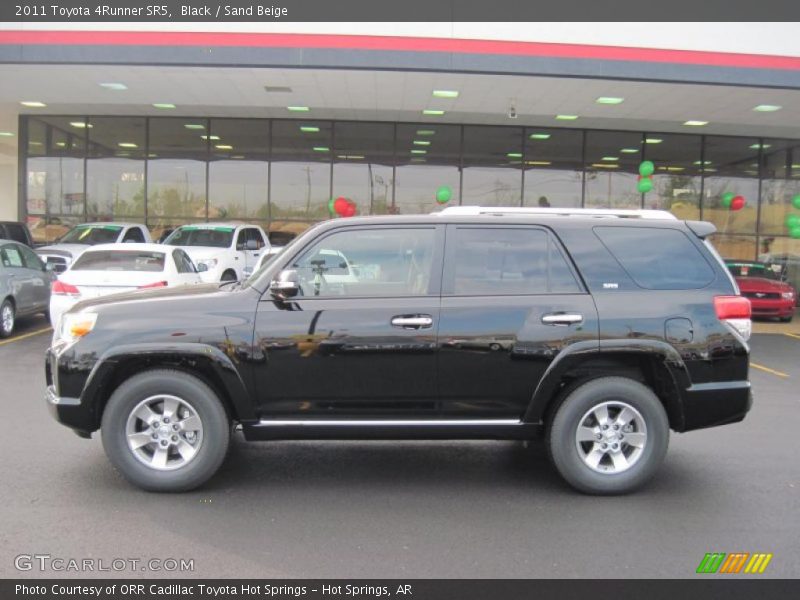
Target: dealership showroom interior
[{"x": 174, "y": 129}]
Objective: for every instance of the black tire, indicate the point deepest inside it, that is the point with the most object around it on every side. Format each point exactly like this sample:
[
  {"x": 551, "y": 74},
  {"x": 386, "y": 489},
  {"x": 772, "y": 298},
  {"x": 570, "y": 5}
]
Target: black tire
[
  {"x": 6, "y": 330},
  {"x": 228, "y": 275},
  {"x": 786, "y": 319},
  {"x": 215, "y": 424},
  {"x": 564, "y": 451}
]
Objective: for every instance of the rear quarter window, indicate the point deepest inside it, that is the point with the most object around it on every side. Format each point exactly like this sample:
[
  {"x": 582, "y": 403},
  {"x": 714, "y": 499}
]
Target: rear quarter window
[{"x": 657, "y": 259}]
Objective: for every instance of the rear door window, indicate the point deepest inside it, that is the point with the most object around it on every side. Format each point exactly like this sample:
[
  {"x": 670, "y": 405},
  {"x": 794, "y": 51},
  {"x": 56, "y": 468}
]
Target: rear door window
[
  {"x": 134, "y": 234},
  {"x": 657, "y": 259},
  {"x": 11, "y": 256},
  {"x": 485, "y": 261}
]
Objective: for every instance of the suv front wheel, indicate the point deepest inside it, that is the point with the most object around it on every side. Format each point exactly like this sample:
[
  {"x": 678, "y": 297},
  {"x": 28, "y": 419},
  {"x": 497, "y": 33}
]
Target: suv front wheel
[
  {"x": 166, "y": 431},
  {"x": 608, "y": 436}
]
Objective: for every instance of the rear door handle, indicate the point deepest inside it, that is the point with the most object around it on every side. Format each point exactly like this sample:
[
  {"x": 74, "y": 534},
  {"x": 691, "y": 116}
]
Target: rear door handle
[
  {"x": 412, "y": 321},
  {"x": 562, "y": 318}
]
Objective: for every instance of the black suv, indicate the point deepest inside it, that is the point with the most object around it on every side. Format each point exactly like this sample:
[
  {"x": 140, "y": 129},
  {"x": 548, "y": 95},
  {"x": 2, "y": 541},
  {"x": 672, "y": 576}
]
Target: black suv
[{"x": 600, "y": 330}]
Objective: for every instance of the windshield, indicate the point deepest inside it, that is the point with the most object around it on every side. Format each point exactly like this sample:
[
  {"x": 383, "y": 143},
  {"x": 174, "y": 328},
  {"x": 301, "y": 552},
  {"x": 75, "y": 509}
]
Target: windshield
[
  {"x": 756, "y": 269},
  {"x": 198, "y": 235},
  {"x": 91, "y": 235},
  {"x": 120, "y": 260}
]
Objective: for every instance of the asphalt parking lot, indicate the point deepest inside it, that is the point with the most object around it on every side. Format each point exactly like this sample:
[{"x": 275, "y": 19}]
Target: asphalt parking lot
[{"x": 405, "y": 509}]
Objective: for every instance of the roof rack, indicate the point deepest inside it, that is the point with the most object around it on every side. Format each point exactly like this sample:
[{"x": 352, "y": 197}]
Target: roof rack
[{"x": 505, "y": 211}]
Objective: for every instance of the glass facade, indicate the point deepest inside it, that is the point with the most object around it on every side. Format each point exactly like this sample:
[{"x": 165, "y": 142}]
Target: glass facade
[{"x": 281, "y": 174}]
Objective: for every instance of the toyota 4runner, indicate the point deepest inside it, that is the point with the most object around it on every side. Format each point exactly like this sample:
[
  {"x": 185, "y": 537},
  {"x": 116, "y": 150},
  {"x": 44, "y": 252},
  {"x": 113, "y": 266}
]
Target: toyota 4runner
[{"x": 599, "y": 330}]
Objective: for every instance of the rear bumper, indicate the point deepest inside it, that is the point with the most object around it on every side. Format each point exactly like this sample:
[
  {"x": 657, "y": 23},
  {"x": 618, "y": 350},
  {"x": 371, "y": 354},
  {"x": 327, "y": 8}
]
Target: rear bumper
[{"x": 718, "y": 403}]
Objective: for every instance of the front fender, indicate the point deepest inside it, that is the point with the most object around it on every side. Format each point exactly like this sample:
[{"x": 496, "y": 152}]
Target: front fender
[{"x": 191, "y": 356}]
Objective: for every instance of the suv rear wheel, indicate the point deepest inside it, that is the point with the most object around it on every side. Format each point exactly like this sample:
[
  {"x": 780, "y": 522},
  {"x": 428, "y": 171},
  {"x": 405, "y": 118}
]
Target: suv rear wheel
[
  {"x": 166, "y": 431},
  {"x": 608, "y": 436}
]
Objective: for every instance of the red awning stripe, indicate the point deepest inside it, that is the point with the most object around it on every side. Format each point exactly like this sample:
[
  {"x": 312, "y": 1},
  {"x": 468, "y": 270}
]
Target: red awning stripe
[{"x": 402, "y": 44}]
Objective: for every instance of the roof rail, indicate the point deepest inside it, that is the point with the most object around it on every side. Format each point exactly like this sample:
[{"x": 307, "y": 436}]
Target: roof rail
[{"x": 505, "y": 211}]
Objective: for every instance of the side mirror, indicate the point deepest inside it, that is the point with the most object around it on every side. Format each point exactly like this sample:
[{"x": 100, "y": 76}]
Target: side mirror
[
  {"x": 202, "y": 267},
  {"x": 285, "y": 285},
  {"x": 251, "y": 245},
  {"x": 47, "y": 267}
]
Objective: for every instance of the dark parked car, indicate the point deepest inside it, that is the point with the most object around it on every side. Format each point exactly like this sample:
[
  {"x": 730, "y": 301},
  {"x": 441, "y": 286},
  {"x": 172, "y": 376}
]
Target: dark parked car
[
  {"x": 14, "y": 230},
  {"x": 764, "y": 285},
  {"x": 599, "y": 330}
]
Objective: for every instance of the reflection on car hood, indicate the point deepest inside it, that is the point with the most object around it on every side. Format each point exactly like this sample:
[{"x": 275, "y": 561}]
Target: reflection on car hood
[
  {"x": 760, "y": 284},
  {"x": 69, "y": 250},
  {"x": 144, "y": 295},
  {"x": 197, "y": 253}
]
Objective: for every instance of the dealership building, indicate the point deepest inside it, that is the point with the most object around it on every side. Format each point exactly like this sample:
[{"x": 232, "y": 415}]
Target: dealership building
[{"x": 172, "y": 123}]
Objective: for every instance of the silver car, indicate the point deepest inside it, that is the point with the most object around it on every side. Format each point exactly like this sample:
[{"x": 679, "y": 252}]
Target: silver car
[{"x": 24, "y": 284}]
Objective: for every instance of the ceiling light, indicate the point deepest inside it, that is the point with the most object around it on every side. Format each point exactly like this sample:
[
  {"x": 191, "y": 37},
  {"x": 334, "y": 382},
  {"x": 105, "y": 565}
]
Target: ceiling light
[
  {"x": 81, "y": 124},
  {"x": 630, "y": 150},
  {"x": 538, "y": 163},
  {"x": 209, "y": 137},
  {"x": 421, "y": 143},
  {"x": 445, "y": 94},
  {"x": 298, "y": 108},
  {"x": 760, "y": 146},
  {"x": 419, "y": 152},
  {"x": 566, "y": 117},
  {"x": 418, "y": 160},
  {"x": 33, "y": 104},
  {"x": 309, "y": 129},
  {"x": 653, "y": 141},
  {"x": 194, "y": 126},
  {"x": 114, "y": 86},
  {"x": 432, "y": 112},
  {"x": 696, "y": 123},
  {"x": 610, "y": 158},
  {"x": 127, "y": 145},
  {"x": 321, "y": 149},
  {"x": 351, "y": 156},
  {"x": 514, "y": 155},
  {"x": 223, "y": 147},
  {"x": 6, "y": 134},
  {"x": 767, "y": 108},
  {"x": 35, "y": 144},
  {"x": 702, "y": 162},
  {"x": 163, "y": 105},
  {"x": 676, "y": 169},
  {"x": 604, "y": 166},
  {"x": 539, "y": 136},
  {"x": 277, "y": 89},
  {"x": 61, "y": 144},
  {"x": 123, "y": 154},
  {"x": 609, "y": 100},
  {"x": 425, "y": 131},
  {"x": 708, "y": 170},
  {"x": 238, "y": 156}
]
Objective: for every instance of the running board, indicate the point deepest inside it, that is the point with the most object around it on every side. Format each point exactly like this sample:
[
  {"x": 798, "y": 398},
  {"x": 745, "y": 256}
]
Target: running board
[{"x": 399, "y": 429}]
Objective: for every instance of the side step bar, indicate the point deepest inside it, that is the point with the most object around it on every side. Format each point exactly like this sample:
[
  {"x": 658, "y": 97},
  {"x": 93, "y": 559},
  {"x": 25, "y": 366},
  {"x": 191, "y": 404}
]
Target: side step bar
[{"x": 394, "y": 429}]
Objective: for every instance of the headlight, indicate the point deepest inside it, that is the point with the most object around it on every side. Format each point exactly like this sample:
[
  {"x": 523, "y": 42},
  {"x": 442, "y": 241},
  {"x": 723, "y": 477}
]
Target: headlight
[
  {"x": 210, "y": 263},
  {"x": 787, "y": 295},
  {"x": 74, "y": 326}
]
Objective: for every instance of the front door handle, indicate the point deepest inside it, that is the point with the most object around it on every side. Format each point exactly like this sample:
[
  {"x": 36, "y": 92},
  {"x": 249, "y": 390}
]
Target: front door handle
[
  {"x": 412, "y": 321},
  {"x": 562, "y": 318}
]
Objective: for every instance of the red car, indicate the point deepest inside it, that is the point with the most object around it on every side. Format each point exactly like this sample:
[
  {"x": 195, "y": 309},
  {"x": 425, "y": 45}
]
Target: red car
[{"x": 763, "y": 285}]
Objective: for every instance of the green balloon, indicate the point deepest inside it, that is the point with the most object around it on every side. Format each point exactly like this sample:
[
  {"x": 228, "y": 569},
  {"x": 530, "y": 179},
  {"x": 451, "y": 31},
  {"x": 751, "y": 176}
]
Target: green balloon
[
  {"x": 330, "y": 206},
  {"x": 796, "y": 201},
  {"x": 794, "y": 232},
  {"x": 443, "y": 194},
  {"x": 647, "y": 168},
  {"x": 645, "y": 185},
  {"x": 792, "y": 221},
  {"x": 727, "y": 198}
]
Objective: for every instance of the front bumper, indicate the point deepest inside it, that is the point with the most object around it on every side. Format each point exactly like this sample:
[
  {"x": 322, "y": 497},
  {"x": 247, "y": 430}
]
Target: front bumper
[
  {"x": 68, "y": 411},
  {"x": 718, "y": 403},
  {"x": 772, "y": 308}
]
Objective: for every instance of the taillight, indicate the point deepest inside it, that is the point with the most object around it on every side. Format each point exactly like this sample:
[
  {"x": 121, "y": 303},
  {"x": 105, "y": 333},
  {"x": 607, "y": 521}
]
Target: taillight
[
  {"x": 736, "y": 311},
  {"x": 157, "y": 284},
  {"x": 59, "y": 288}
]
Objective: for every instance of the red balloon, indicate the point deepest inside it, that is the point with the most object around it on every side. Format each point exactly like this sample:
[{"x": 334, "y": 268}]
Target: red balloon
[
  {"x": 350, "y": 210},
  {"x": 738, "y": 203},
  {"x": 340, "y": 205}
]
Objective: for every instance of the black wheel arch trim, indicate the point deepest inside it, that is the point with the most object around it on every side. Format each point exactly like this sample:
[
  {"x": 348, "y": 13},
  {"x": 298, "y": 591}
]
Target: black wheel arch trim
[
  {"x": 227, "y": 376},
  {"x": 575, "y": 354}
]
